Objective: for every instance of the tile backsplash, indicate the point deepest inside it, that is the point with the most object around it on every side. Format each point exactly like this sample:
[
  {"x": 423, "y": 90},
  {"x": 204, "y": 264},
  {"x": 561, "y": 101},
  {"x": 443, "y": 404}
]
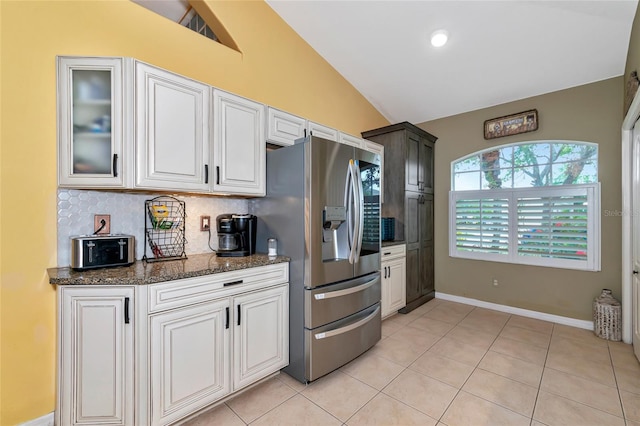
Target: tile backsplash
[{"x": 76, "y": 209}]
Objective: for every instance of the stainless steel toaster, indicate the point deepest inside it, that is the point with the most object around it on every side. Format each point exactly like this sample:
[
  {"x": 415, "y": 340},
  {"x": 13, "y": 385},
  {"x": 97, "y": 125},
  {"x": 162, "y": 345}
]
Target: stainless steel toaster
[{"x": 101, "y": 251}]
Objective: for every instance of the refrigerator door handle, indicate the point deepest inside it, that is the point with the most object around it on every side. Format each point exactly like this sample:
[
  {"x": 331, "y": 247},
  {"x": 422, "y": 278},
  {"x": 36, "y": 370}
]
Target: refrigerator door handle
[
  {"x": 349, "y": 203},
  {"x": 357, "y": 229},
  {"x": 360, "y": 221}
]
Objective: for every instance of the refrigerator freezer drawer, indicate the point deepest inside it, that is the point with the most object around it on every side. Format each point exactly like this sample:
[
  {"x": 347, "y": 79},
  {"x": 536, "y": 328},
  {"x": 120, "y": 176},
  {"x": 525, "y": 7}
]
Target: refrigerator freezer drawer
[
  {"x": 333, "y": 302},
  {"x": 332, "y": 346}
]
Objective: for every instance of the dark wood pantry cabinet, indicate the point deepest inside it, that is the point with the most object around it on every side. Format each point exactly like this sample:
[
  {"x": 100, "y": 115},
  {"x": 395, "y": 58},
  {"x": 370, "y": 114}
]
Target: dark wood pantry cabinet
[{"x": 408, "y": 189}]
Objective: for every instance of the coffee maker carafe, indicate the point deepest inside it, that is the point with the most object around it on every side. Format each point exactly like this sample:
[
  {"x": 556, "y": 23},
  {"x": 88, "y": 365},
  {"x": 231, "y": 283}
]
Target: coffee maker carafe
[{"x": 236, "y": 234}]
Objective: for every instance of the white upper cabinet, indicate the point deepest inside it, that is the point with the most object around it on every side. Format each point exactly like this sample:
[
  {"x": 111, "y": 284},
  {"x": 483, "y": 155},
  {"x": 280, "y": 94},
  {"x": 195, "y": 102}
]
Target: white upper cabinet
[
  {"x": 172, "y": 130},
  {"x": 91, "y": 124},
  {"x": 350, "y": 140},
  {"x": 239, "y": 145},
  {"x": 322, "y": 131},
  {"x": 284, "y": 128}
]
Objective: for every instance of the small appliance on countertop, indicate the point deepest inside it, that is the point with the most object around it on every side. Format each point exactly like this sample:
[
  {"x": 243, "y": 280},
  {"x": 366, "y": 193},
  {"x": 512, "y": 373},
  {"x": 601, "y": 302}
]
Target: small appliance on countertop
[
  {"x": 101, "y": 251},
  {"x": 236, "y": 234}
]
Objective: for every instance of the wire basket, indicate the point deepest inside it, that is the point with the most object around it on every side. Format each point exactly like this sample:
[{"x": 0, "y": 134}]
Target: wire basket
[{"x": 164, "y": 229}]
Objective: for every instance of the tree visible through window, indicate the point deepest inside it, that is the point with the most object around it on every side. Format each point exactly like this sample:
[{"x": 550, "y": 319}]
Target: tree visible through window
[
  {"x": 533, "y": 203},
  {"x": 528, "y": 165}
]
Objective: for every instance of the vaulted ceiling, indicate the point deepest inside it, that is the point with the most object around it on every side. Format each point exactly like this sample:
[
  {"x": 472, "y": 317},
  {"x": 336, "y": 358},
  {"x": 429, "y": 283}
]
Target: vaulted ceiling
[{"x": 498, "y": 51}]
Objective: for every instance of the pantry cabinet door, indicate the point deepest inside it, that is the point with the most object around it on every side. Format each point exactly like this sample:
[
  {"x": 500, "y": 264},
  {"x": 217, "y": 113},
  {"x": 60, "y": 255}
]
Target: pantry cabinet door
[
  {"x": 239, "y": 145},
  {"x": 172, "y": 130},
  {"x": 189, "y": 360}
]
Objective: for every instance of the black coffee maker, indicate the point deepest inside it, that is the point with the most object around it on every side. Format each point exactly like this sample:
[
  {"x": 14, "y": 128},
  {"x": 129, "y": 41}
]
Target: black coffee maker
[{"x": 236, "y": 234}]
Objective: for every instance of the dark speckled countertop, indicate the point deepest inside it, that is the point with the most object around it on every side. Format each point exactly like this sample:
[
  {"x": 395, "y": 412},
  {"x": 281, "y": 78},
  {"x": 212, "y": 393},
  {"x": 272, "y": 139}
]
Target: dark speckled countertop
[{"x": 141, "y": 273}]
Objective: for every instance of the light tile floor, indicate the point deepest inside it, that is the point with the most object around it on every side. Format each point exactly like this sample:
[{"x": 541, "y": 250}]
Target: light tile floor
[{"x": 451, "y": 364}]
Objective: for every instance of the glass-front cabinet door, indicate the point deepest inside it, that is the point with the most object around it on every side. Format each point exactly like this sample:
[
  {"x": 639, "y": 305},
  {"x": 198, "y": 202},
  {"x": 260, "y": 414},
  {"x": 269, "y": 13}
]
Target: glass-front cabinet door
[{"x": 90, "y": 122}]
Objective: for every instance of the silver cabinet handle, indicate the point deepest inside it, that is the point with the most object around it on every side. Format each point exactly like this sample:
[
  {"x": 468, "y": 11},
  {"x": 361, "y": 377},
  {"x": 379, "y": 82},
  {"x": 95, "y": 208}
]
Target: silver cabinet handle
[{"x": 347, "y": 328}]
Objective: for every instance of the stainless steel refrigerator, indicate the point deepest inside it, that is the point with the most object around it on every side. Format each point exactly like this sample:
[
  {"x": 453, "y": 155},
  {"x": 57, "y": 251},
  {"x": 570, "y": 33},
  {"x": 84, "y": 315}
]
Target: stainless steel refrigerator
[{"x": 323, "y": 206}]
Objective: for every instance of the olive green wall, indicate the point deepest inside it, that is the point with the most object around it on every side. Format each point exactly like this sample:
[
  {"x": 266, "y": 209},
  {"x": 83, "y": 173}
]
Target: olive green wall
[
  {"x": 633, "y": 54},
  {"x": 591, "y": 113}
]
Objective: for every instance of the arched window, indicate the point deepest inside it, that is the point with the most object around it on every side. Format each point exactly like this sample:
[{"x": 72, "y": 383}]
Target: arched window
[{"x": 535, "y": 203}]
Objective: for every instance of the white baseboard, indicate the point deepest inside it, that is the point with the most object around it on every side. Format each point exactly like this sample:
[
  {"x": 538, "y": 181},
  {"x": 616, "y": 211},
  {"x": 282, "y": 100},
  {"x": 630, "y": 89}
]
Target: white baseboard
[
  {"x": 46, "y": 420},
  {"x": 588, "y": 325}
]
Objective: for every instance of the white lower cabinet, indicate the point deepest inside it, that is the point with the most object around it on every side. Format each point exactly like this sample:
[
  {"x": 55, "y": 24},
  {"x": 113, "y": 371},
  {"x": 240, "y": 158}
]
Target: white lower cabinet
[
  {"x": 394, "y": 273},
  {"x": 156, "y": 354},
  {"x": 189, "y": 360},
  {"x": 261, "y": 334},
  {"x": 193, "y": 362},
  {"x": 95, "y": 356}
]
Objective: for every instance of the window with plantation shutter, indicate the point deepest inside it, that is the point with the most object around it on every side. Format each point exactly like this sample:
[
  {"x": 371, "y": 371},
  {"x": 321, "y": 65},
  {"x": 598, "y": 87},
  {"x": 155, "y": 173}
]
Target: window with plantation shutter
[
  {"x": 482, "y": 225},
  {"x": 554, "y": 222}
]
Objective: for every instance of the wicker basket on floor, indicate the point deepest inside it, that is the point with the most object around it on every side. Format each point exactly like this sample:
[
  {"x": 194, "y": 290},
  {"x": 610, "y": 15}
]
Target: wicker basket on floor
[{"x": 607, "y": 316}]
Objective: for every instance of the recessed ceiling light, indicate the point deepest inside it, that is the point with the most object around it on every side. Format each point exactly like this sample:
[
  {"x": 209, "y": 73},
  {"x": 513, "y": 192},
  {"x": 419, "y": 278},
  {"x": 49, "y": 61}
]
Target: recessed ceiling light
[{"x": 439, "y": 38}]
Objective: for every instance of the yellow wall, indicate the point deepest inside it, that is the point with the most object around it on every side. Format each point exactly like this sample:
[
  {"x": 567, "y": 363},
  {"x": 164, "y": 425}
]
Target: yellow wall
[
  {"x": 275, "y": 67},
  {"x": 591, "y": 113}
]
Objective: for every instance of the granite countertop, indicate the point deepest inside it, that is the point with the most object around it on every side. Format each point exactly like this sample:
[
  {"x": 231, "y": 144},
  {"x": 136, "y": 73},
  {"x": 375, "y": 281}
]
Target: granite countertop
[{"x": 141, "y": 273}]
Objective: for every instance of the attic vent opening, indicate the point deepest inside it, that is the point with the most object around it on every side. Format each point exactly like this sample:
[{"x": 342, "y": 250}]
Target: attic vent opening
[
  {"x": 194, "y": 22},
  {"x": 180, "y": 12}
]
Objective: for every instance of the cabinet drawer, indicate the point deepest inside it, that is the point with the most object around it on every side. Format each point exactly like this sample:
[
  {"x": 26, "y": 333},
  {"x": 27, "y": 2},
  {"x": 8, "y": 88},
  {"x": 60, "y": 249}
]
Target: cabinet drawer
[
  {"x": 392, "y": 252},
  {"x": 341, "y": 341},
  {"x": 179, "y": 293}
]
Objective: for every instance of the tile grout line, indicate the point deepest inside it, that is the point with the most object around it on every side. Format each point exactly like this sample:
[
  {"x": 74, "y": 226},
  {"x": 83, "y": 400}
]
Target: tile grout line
[
  {"x": 544, "y": 367},
  {"x": 405, "y": 368},
  {"x": 478, "y": 367},
  {"x": 615, "y": 378},
  {"x": 474, "y": 368}
]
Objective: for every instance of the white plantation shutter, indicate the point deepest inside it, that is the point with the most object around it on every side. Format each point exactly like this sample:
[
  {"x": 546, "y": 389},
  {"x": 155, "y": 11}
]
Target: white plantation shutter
[
  {"x": 482, "y": 225},
  {"x": 551, "y": 226}
]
